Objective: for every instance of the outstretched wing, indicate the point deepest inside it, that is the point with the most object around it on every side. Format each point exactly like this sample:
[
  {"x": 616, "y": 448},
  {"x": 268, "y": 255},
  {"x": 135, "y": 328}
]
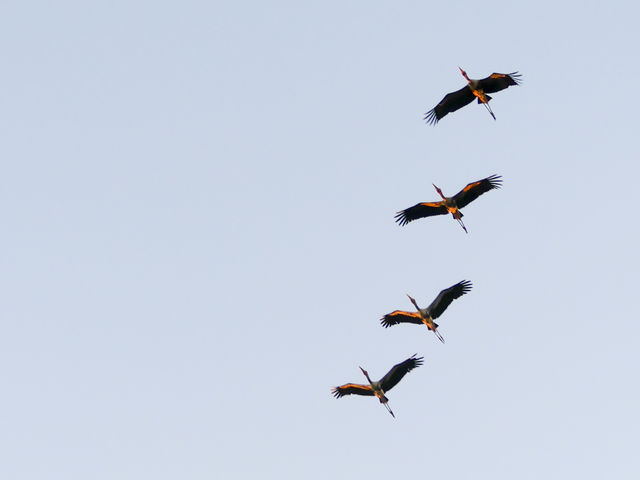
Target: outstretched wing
[
  {"x": 450, "y": 103},
  {"x": 420, "y": 210},
  {"x": 472, "y": 191},
  {"x": 499, "y": 81},
  {"x": 446, "y": 296},
  {"x": 352, "y": 389},
  {"x": 394, "y": 375},
  {"x": 398, "y": 316}
]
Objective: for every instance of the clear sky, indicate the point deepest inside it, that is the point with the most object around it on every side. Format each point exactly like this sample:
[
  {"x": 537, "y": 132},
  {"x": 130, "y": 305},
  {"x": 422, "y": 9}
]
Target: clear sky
[{"x": 197, "y": 244}]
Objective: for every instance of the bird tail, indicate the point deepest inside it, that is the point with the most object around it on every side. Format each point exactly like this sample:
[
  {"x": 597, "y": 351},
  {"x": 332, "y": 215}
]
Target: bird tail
[
  {"x": 462, "y": 225},
  {"x": 457, "y": 214},
  {"x": 433, "y": 326},
  {"x": 385, "y": 401},
  {"x": 485, "y": 98},
  {"x": 386, "y": 405},
  {"x": 488, "y": 107}
]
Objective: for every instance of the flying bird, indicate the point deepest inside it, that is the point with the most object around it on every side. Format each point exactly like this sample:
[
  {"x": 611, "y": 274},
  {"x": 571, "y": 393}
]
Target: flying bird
[
  {"x": 383, "y": 385},
  {"x": 474, "y": 89},
  {"x": 428, "y": 315},
  {"x": 450, "y": 205}
]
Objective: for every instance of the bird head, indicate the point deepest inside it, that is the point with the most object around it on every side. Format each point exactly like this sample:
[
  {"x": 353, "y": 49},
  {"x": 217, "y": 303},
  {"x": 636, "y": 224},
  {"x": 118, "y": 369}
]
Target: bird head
[
  {"x": 438, "y": 190},
  {"x": 365, "y": 374},
  {"x": 413, "y": 301},
  {"x": 464, "y": 74}
]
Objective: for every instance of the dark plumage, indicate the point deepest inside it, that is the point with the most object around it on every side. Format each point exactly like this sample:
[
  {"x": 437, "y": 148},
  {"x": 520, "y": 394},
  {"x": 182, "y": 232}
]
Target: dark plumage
[
  {"x": 383, "y": 385},
  {"x": 428, "y": 315},
  {"x": 474, "y": 89},
  {"x": 449, "y": 204}
]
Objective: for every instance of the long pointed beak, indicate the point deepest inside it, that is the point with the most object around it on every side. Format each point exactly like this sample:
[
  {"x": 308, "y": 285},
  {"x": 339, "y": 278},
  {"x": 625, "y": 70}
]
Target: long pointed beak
[
  {"x": 413, "y": 301},
  {"x": 438, "y": 190},
  {"x": 365, "y": 374}
]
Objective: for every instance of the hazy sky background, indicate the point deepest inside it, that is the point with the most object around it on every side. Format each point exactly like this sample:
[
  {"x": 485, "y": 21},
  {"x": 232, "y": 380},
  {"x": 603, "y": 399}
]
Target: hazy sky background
[{"x": 197, "y": 204}]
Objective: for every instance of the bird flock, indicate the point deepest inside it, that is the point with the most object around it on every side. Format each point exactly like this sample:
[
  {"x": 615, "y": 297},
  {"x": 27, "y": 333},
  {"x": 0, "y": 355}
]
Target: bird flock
[{"x": 450, "y": 103}]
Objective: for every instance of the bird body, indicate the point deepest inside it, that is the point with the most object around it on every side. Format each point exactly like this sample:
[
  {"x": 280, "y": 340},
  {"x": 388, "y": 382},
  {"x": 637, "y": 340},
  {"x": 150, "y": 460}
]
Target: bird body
[
  {"x": 450, "y": 205},
  {"x": 377, "y": 388},
  {"x": 474, "y": 89},
  {"x": 477, "y": 90},
  {"x": 427, "y": 315},
  {"x": 383, "y": 385}
]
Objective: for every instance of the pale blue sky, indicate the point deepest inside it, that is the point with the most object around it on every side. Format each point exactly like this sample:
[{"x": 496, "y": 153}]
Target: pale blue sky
[{"x": 197, "y": 204}]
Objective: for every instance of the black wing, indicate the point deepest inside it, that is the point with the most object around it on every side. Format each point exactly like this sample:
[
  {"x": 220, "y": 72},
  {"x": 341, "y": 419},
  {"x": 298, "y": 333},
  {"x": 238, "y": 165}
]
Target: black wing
[
  {"x": 352, "y": 389},
  {"x": 394, "y": 375},
  {"x": 472, "y": 191},
  {"x": 499, "y": 81},
  {"x": 398, "y": 316},
  {"x": 420, "y": 210},
  {"x": 446, "y": 296},
  {"x": 450, "y": 103}
]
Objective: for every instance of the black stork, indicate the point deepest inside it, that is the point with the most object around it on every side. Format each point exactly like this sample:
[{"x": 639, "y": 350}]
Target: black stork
[
  {"x": 450, "y": 205},
  {"x": 474, "y": 89},
  {"x": 427, "y": 315},
  {"x": 383, "y": 385}
]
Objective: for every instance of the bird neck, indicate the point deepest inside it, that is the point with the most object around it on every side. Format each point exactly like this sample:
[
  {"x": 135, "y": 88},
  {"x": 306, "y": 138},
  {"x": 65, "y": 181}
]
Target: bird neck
[
  {"x": 415, "y": 304},
  {"x": 374, "y": 385},
  {"x": 440, "y": 193}
]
